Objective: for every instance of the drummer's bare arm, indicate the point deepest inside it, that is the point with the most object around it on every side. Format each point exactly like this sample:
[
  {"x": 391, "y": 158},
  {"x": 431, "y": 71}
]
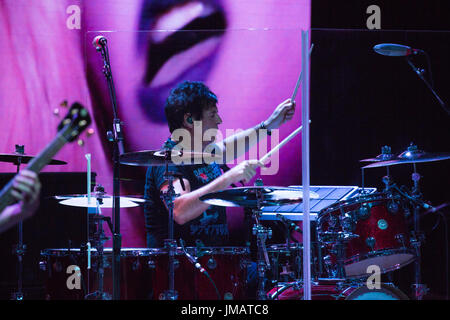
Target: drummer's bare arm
[
  {"x": 282, "y": 113},
  {"x": 26, "y": 189},
  {"x": 188, "y": 206}
]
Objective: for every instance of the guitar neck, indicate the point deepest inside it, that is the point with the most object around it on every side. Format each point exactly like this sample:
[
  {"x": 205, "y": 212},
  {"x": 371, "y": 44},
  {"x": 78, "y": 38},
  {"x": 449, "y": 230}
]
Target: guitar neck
[{"x": 35, "y": 165}]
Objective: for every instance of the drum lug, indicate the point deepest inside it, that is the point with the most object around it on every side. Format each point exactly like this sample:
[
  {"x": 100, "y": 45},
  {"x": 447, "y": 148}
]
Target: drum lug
[
  {"x": 401, "y": 238},
  {"x": 135, "y": 265},
  {"x": 151, "y": 264},
  {"x": 364, "y": 211},
  {"x": 211, "y": 263},
  {"x": 370, "y": 241},
  {"x": 393, "y": 207},
  {"x": 347, "y": 223},
  {"x": 43, "y": 265}
]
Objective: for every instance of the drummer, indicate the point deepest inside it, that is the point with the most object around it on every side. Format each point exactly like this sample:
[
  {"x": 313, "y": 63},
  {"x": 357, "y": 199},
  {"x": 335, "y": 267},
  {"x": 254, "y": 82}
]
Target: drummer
[{"x": 192, "y": 103}]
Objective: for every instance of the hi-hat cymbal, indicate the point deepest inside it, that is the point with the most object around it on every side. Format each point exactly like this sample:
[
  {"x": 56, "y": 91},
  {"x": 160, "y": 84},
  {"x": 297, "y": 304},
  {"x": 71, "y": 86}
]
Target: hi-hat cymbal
[
  {"x": 247, "y": 196},
  {"x": 20, "y": 158},
  {"x": 82, "y": 200},
  {"x": 412, "y": 155},
  {"x": 158, "y": 158}
]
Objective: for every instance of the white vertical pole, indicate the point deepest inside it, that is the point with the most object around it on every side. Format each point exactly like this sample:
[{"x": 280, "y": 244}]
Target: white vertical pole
[
  {"x": 88, "y": 244},
  {"x": 305, "y": 168}
]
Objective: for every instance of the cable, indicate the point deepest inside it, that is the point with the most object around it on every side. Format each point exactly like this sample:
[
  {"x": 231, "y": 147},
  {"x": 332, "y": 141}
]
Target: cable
[{"x": 197, "y": 265}]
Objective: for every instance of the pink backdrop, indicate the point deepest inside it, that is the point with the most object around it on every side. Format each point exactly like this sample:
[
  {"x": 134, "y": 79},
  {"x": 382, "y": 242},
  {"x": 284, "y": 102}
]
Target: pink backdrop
[{"x": 252, "y": 67}]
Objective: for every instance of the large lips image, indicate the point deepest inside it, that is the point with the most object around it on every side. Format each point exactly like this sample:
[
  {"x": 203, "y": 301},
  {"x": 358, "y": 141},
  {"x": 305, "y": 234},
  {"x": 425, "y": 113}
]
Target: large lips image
[{"x": 182, "y": 45}]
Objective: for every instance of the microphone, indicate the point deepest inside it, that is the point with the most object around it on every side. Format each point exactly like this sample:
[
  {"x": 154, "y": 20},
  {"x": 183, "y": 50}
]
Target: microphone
[
  {"x": 99, "y": 41},
  {"x": 395, "y": 50},
  {"x": 289, "y": 223}
]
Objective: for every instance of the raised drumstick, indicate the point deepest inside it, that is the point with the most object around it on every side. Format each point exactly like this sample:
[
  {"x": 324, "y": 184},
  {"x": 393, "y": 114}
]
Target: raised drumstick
[{"x": 282, "y": 143}]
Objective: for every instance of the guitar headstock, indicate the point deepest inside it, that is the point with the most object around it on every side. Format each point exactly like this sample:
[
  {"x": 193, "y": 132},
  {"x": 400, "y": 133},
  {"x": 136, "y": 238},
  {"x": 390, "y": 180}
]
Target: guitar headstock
[{"x": 76, "y": 120}]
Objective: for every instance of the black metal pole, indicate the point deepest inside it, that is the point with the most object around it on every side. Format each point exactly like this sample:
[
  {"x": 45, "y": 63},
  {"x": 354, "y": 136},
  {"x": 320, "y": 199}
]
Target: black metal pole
[
  {"x": 420, "y": 73},
  {"x": 116, "y": 138}
]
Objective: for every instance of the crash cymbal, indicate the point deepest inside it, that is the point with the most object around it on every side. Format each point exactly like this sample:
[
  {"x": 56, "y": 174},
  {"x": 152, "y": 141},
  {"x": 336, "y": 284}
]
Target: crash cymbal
[
  {"x": 386, "y": 155},
  {"x": 107, "y": 202},
  {"x": 246, "y": 196},
  {"x": 20, "y": 158},
  {"x": 158, "y": 158},
  {"x": 412, "y": 155}
]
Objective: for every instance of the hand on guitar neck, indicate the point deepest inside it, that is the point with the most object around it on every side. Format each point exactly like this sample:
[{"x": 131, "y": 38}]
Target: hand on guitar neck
[
  {"x": 25, "y": 189},
  {"x": 19, "y": 199}
]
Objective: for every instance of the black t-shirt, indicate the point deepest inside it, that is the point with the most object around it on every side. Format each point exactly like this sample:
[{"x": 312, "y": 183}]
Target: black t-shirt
[{"x": 210, "y": 227}]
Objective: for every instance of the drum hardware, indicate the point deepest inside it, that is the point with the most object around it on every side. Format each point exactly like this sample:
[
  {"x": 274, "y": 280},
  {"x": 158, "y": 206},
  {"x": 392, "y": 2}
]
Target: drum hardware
[
  {"x": 211, "y": 264},
  {"x": 256, "y": 198},
  {"x": 336, "y": 289},
  {"x": 98, "y": 239},
  {"x": 18, "y": 158},
  {"x": 170, "y": 244},
  {"x": 412, "y": 156},
  {"x": 262, "y": 234}
]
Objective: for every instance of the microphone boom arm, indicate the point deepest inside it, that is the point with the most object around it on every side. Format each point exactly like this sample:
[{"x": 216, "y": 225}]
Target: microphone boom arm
[{"x": 420, "y": 72}]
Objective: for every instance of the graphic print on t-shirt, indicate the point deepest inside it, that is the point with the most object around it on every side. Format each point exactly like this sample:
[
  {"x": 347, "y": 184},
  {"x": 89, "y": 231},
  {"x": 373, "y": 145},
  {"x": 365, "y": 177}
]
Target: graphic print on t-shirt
[{"x": 208, "y": 222}]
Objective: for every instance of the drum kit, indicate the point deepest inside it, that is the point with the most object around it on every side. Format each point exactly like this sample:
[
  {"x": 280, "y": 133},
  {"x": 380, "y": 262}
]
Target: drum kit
[{"x": 350, "y": 237}]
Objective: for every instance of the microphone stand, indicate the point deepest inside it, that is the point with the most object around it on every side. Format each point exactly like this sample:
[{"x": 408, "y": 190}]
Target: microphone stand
[
  {"x": 420, "y": 73},
  {"x": 116, "y": 138}
]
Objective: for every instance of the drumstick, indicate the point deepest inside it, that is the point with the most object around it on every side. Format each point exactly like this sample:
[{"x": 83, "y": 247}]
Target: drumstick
[
  {"x": 297, "y": 85},
  {"x": 282, "y": 143}
]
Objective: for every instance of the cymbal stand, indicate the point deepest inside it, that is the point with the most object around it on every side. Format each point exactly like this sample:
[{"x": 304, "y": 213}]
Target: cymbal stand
[
  {"x": 20, "y": 248},
  {"x": 419, "y": 288},
  {"x": 262, "y": 234},
  {"x": 98, "y": 240},
  {"x": 170, "y": 244}
]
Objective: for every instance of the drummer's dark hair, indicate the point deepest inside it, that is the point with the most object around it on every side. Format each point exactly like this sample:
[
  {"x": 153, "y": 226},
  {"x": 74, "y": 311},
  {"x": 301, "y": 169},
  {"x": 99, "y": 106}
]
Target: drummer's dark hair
[{"x": 187, "y": 97}]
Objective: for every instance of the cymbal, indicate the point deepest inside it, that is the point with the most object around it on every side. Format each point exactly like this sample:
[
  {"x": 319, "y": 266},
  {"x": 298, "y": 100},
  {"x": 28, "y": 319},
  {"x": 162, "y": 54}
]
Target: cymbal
[
  {"x": 14, "y": 158},
  {"x": 158, "y": 158},
  {"x": 82, "y": 200},
  {"x": 386, "y": 155},
  {"x": 246, "y": 196},
  {"x": 411, "y": 156}
]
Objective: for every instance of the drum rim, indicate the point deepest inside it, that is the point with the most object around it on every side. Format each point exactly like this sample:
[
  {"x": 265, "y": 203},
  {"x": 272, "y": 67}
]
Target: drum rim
[
  {"x": 347, "y": 291},
  {"x": 390, "y": 287},
  {"x": 146, "y": 252},
  {"x": 384, "y": 252},
  {"x": 335, "y": 206}
]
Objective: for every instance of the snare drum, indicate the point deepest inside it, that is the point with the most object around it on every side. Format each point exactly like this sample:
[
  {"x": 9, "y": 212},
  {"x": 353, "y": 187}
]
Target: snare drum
[
  {"x": 374, "y": 231},
  {"x": 334, "y": 289}
]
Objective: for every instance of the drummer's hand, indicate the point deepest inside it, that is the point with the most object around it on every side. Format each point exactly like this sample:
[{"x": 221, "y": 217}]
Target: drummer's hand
[
  {"x": 244, "y": 171},
  {"x": 26, "y": 189},
  {"x": 283, "y": 113}
]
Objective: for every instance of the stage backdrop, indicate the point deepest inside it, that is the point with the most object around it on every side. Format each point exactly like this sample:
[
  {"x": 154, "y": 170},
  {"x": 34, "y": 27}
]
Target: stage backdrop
[{"x": 251, "y": 61}]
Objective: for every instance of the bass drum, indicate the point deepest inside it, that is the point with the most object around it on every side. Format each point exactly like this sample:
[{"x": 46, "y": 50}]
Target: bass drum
[{"x": 334, "y": 289}]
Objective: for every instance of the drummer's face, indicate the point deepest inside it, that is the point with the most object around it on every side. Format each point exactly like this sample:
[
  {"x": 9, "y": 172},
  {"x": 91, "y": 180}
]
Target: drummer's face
[{"x": 210, "y": 123}]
